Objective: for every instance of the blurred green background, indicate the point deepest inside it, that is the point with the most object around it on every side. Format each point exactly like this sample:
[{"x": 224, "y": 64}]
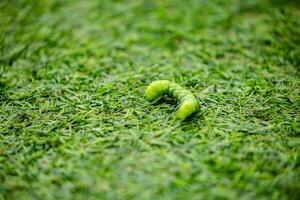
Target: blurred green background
[{"x": 74, "y": 123}]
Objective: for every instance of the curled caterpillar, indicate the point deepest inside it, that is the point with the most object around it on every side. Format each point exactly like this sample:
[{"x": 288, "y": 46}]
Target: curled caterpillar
[{"x": 188, "y": 102}]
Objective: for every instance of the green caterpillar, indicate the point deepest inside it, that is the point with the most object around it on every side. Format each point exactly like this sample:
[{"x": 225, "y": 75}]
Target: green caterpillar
[{"x": 188, "y": 102}]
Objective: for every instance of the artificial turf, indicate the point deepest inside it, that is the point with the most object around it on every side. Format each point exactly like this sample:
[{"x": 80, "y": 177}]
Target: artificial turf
[{"x": 75, "y": 124}]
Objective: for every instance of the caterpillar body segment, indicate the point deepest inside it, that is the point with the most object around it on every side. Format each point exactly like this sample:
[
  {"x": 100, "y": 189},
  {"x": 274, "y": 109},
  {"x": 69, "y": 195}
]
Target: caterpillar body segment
[{"x": 188, "y": 104}]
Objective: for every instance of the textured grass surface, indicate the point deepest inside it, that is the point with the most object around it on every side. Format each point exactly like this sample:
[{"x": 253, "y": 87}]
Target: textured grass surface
[{"x": 74, "y": 122}]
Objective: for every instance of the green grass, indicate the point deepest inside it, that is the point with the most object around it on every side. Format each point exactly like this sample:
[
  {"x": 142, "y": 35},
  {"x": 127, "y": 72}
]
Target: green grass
[{"x": 74, "y": 122}]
